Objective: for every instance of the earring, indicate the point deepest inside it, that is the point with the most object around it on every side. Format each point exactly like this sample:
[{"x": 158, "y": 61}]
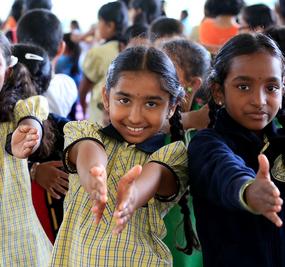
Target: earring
[{"x": 220, "y": 103}]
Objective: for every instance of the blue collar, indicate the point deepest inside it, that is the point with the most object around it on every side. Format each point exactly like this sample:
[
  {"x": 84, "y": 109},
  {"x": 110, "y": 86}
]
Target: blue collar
[{"x": 149, "y": 146}]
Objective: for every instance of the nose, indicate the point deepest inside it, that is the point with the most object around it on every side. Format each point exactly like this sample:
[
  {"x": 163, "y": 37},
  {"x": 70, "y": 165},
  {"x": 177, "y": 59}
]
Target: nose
[
  {"x": 259, "y": 98},
  {"x": 135, "y": 115}
]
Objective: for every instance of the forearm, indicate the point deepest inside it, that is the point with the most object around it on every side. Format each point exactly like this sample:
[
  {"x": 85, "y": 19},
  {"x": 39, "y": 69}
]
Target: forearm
[
  {"x": 87, "y": 154},
  {"x": 84, "y": 87},
  {"x": 154, "y": 179}
]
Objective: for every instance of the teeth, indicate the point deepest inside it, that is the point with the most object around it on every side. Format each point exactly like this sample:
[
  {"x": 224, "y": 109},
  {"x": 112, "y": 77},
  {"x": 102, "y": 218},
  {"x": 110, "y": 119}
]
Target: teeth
[{"x": 135, "y": 129}]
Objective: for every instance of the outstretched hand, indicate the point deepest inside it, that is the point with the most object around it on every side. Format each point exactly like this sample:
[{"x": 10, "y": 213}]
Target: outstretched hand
[
  {"x": 126, "y": 198},
  {"x": 24, "y": 139},
  {"x": 97, "y": 189},
  {"x": 262, "y": 195}
]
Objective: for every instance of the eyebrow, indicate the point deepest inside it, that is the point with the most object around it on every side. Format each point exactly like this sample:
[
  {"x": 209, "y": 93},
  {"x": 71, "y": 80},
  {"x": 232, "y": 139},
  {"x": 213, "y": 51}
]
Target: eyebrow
[
  {"x": 147, "y": 97},
  {"x": 246, "y": 78}
]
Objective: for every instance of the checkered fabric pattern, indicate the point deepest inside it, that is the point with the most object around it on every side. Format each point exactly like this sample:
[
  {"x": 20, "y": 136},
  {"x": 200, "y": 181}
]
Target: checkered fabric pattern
[
  {"x": 81, "y": 243},
  {"x": 22, "y": 239}
]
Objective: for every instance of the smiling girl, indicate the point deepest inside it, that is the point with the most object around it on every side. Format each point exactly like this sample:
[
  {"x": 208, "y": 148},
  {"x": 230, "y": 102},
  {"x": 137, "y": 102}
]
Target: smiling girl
[{"x": 127, "y": 200}]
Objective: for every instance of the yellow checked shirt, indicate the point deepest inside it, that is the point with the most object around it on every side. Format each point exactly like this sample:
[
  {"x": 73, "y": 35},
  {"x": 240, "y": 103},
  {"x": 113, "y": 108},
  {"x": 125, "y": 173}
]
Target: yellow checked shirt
[
  {"x": 82, "y": 243},
  {"x": 22, "y": 239},
  {"x": 95, "y": 67}
]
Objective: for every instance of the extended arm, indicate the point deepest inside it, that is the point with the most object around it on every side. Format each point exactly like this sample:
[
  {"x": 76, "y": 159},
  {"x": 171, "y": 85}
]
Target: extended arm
[{"x": 90, "y": 159}]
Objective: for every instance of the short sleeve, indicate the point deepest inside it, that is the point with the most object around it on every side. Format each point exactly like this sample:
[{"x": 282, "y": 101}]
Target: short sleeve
[
  {"x": 76, "y": 131},
  {"x": 174, "y": 157},
  {"x": 35, "y": 106},
  {"x": 93, "y": 65}
]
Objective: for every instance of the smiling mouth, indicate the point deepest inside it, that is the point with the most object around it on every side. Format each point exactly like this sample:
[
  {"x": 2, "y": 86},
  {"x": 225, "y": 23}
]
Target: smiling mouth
[{"x": 135, "y": 129}]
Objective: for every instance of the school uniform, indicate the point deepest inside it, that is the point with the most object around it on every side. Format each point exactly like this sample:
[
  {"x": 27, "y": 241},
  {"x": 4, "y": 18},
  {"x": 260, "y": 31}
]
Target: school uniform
[
  {"x": 22, "y": 238},
  {"x": 82, "y": 243},
  {"x": 221, "y": 160}
]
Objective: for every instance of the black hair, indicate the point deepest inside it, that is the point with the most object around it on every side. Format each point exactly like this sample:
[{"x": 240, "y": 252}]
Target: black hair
[
  {"x": 34, "y": 4},
  {"x": 189, "y": 56},
  {"x": 115, "y": 12},
  {"x": 75, "y": 24},
  {"x": 37, "y": 62},
  {"x": 282, "y": 7},
  {"x": 135, "y": 31},
  {"x": 140, "y": 58},
  {"x": 17, "y": 9},
  {"x": 17, "y": 86},
  {"x": 74, "y": 52},
  {"x": 149, "y": 10},
  {"x": 41, "y": 27},
  {"x": 165, "y": 27},
  {"x": 242, "y": 44},
  {"x": 259, "y": 15},
  {"x": 184, "y": 14},
  {"x": 216, "y": 8}
]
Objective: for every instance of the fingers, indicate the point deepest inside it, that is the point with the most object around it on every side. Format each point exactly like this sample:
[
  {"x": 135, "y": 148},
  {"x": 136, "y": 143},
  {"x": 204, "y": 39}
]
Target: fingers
[
  {"x": 98, "y": 209},
  {"x": 53, "y": 193},
  {"x": 132, "y": 174},
  {"x": 273, "y": 217},
  {"x": 263, "y": 167},
  {"x": 27, "y": 128}
]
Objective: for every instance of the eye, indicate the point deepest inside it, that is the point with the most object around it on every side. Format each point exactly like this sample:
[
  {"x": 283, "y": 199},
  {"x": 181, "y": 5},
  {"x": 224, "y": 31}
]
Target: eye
[
  {"x": 124, "y": 101},
  {"x": 243, "y": 87},
  {"x": 151, "y": 104},
  {"x": 273, "y": 88}
]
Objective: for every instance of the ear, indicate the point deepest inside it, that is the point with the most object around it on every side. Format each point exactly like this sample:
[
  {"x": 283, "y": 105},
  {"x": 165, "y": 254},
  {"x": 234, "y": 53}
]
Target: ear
[
  {"x": 105, "y": 98},
  {"x": 196, "y": 83},
  {"x": 218, "y": 94},
  {"x": 171, "y": 111}
]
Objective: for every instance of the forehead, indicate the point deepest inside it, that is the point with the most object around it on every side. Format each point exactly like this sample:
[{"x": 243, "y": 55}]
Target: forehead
[
  {"x": 261, "y": 64},
  {"x": 140, "y": 83}
]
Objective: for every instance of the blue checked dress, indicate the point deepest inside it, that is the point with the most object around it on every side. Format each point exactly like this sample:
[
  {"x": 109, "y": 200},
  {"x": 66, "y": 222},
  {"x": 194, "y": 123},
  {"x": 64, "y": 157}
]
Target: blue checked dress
[
  {"x": 22, "y": 239},
  {"x": 80, "y": 242}
]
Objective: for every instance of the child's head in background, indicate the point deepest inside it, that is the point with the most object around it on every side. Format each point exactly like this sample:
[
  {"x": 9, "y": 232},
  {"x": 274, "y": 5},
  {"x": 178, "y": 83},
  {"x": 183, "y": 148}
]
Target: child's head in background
[
  {"x": 41, "y": 27},
  {"x": 15, "y": 81},
  {"x": 37, "y": 62},
  {"x": 112, "y": 20},
  {"x": 247, "y": 80},
  {"x": 142, "y": 91},
  {"x": 192, "y": 62}
]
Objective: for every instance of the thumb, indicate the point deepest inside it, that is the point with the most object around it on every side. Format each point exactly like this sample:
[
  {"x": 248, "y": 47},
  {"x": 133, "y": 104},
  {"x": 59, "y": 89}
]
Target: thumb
[
  {"x": 97, "y": 170},
  {"x": 263, "y": 171},
  {"x": 132, "y": 174}
]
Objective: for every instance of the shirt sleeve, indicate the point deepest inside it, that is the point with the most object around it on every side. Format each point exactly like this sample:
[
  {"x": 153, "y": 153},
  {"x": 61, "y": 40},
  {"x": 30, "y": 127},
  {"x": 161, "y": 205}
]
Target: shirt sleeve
[
  {"x": 93, "y": 65},
  {"x": 173, "y": 157},
  {"x": 76, "y": 131},
  {"x": 216, "y": 173},
  {"x": 35, "y": 106}
]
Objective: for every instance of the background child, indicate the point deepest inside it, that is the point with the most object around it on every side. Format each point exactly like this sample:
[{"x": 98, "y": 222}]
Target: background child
[
  {"x": 113, "y": 20},
  {"x": 141, "y": 92},
  {"x": 41, "y": 27},
  {"x": 192, "y": 63},
  {"x": 236, "y": 192},
  {"x": 46, "y": 162},
  {"x": 23, "y": 241}
]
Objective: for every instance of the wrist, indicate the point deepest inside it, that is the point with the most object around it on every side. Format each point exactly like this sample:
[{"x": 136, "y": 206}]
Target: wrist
[
  {"x": 242, "y": 196},
  {"x": 33, "y": 170}
]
